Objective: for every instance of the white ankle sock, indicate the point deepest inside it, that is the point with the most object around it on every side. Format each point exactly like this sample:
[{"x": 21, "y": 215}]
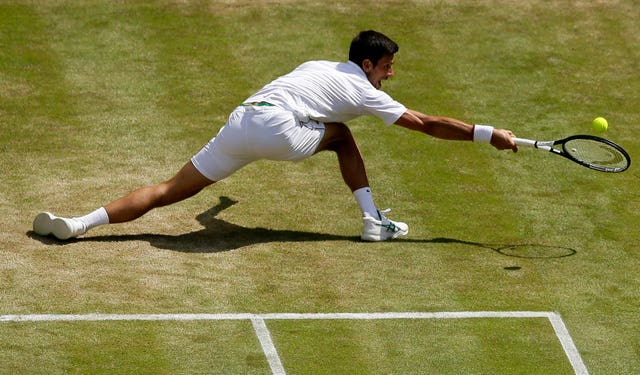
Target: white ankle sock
[
  {"x": 95, "y": 218},
  {"x": 365, "y": 201}
]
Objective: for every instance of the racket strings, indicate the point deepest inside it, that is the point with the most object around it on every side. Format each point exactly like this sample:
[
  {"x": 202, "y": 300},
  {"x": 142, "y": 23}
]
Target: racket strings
[{"x": 596, "y": 153}]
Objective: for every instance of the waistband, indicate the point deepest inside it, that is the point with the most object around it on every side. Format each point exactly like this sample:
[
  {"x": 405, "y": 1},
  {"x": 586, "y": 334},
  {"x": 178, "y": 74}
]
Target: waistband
[
  {"x": 257, "y": 104},
  {"x": 303, "y": 119}
]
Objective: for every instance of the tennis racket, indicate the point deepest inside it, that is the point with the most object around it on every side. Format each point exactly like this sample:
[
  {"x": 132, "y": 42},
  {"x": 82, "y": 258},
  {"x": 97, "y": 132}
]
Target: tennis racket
[{"x": 587, "y": 150}]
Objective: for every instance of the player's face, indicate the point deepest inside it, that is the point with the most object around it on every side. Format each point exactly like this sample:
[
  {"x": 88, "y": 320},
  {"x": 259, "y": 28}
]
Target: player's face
[{"x": 381, "y": 71}]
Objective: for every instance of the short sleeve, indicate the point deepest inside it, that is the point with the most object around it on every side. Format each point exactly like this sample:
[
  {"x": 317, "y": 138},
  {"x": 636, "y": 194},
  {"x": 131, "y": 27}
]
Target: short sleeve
[{"x": 380, "y": 104}]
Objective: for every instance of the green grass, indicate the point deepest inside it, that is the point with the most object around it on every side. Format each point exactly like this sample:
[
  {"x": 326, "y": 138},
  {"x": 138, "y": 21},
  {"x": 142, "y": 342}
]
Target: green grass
[
  {"x": 305, "y": 347},
  {"x": 419, "y": 346},
  {"x": 98, "y": 98},
  {"x": 130, "y": 348}
]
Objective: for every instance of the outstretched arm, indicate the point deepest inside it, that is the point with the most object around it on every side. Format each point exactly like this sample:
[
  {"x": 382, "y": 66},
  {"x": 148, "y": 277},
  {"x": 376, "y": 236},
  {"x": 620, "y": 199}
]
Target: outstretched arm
[{"x": 450, "y": 128}]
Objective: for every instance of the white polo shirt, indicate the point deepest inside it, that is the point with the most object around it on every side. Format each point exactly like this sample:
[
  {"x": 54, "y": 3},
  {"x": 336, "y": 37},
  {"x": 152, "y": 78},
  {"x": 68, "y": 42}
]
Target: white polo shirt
[{"x": 328, "y": 91}]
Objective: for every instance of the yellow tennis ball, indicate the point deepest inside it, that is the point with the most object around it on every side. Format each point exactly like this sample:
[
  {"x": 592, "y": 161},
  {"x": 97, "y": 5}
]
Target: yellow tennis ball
[{"x": 600, "y": 124}]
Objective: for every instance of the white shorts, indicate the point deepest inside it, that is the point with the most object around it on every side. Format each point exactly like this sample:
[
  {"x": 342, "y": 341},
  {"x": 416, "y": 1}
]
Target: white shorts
[{"x": 257, "y": 132}]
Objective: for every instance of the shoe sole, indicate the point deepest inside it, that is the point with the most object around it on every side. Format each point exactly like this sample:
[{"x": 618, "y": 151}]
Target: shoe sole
[{"x": 45, "y": 224}]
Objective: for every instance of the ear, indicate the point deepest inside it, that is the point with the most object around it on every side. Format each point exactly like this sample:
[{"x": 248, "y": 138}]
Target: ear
[{"x": 367, "y": 65}]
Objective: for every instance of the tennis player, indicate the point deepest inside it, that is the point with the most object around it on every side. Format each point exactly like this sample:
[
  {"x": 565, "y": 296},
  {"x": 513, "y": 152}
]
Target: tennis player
[{"x": 292, "y": 118}]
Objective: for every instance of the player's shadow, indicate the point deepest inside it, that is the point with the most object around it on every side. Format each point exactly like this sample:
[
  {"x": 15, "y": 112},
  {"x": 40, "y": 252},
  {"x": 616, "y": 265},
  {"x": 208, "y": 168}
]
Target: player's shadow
[{"x": 219, "y": 236}]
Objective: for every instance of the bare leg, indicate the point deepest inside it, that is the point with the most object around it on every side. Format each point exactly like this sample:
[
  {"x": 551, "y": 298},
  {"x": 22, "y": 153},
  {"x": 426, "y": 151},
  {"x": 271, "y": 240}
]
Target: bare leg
[
  {"x": 338, "y": 138},
  {"x": 186, "y": 183}
]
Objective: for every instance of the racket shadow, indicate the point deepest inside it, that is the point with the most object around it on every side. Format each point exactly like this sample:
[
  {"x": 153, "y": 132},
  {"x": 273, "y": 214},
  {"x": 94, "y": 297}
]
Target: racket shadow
[{"x": 522, "y": 250}]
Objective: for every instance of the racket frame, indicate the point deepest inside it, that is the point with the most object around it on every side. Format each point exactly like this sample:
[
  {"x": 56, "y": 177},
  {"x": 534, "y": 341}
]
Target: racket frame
[{"x": 549, "y": 146}]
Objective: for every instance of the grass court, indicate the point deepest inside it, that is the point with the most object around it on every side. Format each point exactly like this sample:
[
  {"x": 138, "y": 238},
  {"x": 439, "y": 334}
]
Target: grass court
[{"x": 98, "y": 98}]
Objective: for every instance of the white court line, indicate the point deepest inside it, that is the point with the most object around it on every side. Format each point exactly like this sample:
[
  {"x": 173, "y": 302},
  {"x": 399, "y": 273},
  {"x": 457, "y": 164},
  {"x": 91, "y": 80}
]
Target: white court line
[
  {"x": 95, "y": 317},
  {"x": 262, "y": 332},
  {"x": 567, "y": 344},
  {"x": 267, "y": 346},
  {"x": 408, "y": 315},
  {"x": 275, "y": 316}
]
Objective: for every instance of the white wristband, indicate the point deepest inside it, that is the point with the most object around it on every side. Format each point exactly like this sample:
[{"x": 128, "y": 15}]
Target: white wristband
[{"x": 482, "y": 133}]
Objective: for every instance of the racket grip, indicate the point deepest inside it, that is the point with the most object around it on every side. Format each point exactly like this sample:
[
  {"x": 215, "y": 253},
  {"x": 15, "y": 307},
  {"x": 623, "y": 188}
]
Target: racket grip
[{"x": 524, "y": 142}]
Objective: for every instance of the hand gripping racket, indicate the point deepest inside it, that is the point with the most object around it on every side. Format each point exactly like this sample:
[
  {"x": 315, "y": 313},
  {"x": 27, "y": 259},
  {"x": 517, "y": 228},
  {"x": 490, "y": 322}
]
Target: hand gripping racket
[{"x": 587, "y": 150}]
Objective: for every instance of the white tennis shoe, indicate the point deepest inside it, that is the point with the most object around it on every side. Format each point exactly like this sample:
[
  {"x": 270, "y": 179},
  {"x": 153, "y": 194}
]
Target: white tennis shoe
[
  {"x": 46, "y": 223},
  {"x": 382, "y": 229}
]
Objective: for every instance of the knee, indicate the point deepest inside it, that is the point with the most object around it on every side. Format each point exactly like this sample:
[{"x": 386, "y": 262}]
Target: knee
[{"x": 159, "y": 195}]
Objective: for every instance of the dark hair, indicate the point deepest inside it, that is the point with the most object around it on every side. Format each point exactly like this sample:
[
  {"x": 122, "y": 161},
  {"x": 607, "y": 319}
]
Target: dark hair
[{"x": 371, "y": 45}]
